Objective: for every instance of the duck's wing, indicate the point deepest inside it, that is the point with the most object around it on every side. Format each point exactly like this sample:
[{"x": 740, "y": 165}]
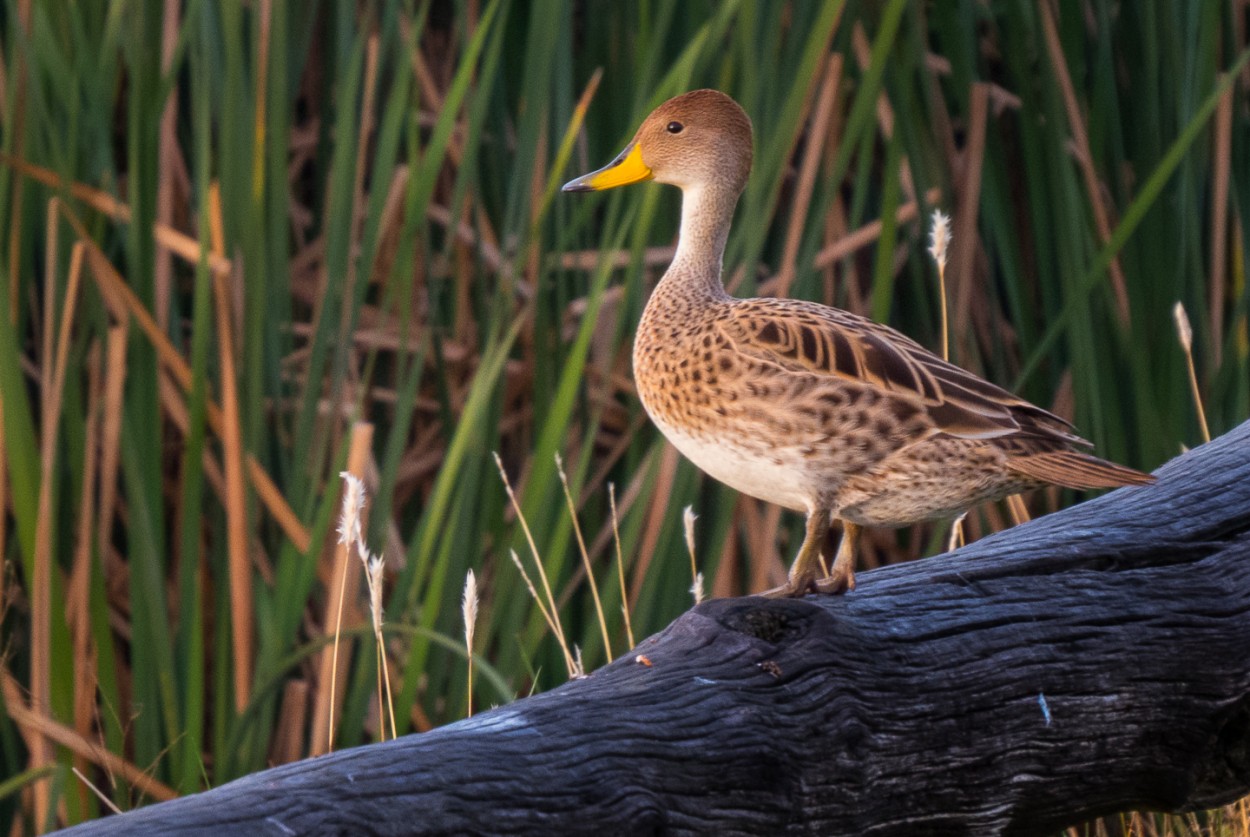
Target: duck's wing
[{"x": 826, "y": 343}]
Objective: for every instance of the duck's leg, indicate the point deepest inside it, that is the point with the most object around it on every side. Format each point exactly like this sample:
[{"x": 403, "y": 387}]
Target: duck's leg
[
  {"x": 841, "y": 578},
  {"x": 806, "y": 567}
]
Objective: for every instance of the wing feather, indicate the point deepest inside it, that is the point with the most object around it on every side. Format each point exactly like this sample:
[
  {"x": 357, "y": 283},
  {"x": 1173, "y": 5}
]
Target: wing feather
[{"x": 807, "y": 338}]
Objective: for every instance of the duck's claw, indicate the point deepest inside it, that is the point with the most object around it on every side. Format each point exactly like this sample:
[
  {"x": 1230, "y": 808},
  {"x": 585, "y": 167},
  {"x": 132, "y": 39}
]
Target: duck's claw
[
  {"x": 837, "y": 583},
  {"x": 797, "y": 587}
]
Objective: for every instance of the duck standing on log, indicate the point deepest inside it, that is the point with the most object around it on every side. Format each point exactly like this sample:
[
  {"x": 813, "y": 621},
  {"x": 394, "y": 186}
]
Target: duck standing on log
[{"x": 810, "y": 407}]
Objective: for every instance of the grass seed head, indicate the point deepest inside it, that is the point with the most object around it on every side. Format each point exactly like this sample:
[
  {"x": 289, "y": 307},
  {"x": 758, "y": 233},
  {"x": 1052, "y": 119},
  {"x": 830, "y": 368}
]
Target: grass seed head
[
  {"x": 468, "y": 607},
  {"x": 940, "y": 237},
  {"x": 353, "y": 507},
  {"x": 1183, "y": 329}
]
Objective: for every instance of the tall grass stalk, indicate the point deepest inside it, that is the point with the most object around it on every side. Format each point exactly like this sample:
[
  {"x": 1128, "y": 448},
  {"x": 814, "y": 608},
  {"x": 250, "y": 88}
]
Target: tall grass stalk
[{"x": 350, "y": 539}]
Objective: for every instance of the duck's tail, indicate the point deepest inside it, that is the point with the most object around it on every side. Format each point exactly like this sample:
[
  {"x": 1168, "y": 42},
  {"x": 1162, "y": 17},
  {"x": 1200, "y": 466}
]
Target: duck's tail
[{"x": 1073, "y": 469}]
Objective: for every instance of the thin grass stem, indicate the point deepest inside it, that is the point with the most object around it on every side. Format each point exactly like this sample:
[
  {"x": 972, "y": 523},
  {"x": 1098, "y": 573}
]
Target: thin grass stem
[
  {"x": 581, "y": 548},
  {"x": 553, "y": 620},
  {"x": 620, "y": 565}
]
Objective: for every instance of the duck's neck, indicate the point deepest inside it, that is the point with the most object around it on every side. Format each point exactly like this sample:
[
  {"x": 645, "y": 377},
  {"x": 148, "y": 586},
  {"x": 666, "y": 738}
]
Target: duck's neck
[{"x": 706, "y": 214}]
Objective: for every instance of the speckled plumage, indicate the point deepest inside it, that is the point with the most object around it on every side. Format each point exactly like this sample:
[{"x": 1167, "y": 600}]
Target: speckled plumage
[{"x": 811, "y": 407}]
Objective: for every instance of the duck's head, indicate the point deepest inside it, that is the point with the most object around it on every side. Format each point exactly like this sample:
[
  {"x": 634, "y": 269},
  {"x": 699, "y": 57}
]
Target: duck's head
[{"x": 695, "y": 140}]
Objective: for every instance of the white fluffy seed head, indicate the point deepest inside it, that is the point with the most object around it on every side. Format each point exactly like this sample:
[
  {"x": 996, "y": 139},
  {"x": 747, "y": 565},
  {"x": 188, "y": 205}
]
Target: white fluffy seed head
[
  {"x": 940, "y": 237},
  {"x": 468, "y": 607},
  {"x": 374, "y": 567},
  {"x": 1183, "y": 329},
  {"x": 688, "y": 517},
  {"x": 352, "y": 508}
]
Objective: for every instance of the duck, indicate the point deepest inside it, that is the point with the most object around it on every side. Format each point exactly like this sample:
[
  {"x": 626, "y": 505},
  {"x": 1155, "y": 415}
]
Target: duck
[{"x": 807, "y": 406}]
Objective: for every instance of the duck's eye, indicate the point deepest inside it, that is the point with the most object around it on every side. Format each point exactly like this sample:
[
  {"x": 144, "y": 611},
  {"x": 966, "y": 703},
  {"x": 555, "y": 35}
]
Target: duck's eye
[{"x": 675, "y": 127}]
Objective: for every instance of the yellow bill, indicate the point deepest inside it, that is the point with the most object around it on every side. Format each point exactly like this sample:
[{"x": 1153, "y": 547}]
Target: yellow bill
[{"x": 627, "y": 168}]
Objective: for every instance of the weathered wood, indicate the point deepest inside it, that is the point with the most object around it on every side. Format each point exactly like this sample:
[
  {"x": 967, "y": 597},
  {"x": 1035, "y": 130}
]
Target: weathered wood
[{"x": 1091, "y": 661}]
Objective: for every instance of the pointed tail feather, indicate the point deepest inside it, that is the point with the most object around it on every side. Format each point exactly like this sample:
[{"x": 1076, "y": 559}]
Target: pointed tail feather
[{"x": 1073, "y": 469}]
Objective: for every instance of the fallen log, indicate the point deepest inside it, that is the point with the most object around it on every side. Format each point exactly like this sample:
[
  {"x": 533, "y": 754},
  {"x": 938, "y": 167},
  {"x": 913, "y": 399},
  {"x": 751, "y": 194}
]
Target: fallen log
[{"x": 1088, "y": 662}]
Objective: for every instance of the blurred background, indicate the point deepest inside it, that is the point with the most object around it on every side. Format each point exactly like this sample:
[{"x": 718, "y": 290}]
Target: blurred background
[{"x": 247, "y": 245}]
